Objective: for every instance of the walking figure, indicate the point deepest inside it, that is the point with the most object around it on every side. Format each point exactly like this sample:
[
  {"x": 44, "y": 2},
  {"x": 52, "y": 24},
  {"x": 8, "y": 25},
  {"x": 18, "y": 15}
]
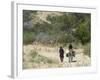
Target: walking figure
[
  {"x": 71, "y": 53},
  {"x": 61, "y": 54}
]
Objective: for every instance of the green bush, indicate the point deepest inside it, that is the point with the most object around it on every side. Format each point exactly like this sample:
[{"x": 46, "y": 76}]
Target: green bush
[
  {"x": 33, "y": 54},
  {"x": 87, "y": 49},
  {"x": 28, "y": 37}
]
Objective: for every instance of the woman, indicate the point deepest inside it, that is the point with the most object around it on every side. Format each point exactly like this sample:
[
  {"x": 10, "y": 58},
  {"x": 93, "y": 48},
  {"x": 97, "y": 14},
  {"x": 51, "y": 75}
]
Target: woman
[
  {"x": 61, "y": 55},
  {"x": 71, "y": 53}
]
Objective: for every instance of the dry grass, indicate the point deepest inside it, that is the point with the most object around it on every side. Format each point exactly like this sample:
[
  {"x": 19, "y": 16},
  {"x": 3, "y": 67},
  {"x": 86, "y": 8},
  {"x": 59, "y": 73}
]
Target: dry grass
[{"x": 39, "y": 56}]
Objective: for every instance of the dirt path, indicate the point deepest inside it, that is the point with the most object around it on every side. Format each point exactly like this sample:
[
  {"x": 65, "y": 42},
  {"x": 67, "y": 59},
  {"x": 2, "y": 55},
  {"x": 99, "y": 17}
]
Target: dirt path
[{"x": 52, "y": 53}]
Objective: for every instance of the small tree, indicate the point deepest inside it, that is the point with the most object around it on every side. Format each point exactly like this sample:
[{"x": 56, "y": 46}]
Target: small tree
[{"x": 83, "y": 33}]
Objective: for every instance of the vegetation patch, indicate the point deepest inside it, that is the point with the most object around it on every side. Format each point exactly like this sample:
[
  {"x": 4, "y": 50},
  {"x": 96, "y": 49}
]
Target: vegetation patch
[
  {"x": 87, "y": 50},
  {"x": 37, "y": 58}
]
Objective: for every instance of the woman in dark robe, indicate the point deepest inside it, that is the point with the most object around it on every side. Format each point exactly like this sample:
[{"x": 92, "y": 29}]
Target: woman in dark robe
[{"x": 61, "y": 54}]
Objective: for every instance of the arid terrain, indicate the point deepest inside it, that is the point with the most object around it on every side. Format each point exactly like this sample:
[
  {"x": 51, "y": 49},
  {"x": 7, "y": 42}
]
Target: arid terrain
[{"x": 40, "y": 56}]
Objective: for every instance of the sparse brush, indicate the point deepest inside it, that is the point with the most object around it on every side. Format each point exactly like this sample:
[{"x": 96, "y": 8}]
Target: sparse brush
[{"x": 36, "y": 58}]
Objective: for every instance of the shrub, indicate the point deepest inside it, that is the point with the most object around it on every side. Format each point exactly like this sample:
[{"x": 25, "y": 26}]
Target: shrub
[
  {"x": 87, "y": 48},
  {"x": 28, "y": 37}
]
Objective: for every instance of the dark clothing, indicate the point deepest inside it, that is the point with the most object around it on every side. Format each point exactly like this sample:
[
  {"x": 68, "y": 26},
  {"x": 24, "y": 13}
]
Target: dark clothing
[
  {"x": 61, "y": 59},
  {"x": 61, "y": 55},
  {"x": 70, "y": 46},
  {"x": 61, "y": 51}
]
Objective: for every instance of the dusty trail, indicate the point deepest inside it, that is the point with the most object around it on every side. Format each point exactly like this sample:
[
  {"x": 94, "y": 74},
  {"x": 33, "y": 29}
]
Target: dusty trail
[{"x": 52, "y": 53}]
